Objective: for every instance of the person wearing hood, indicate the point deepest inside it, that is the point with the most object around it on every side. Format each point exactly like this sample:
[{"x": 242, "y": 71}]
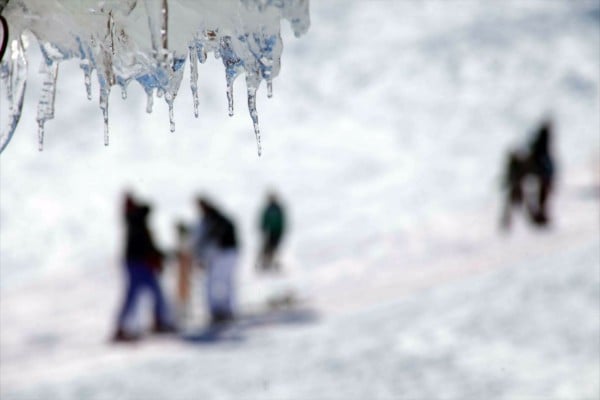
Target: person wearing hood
[
  {"x": 143, "y": 263},
  {"x": 216, "y": 250}
]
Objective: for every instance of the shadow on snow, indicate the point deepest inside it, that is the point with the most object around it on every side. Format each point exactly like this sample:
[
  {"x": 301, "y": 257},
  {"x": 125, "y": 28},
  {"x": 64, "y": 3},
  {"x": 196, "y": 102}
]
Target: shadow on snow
[{"x": 237, "y": 330}]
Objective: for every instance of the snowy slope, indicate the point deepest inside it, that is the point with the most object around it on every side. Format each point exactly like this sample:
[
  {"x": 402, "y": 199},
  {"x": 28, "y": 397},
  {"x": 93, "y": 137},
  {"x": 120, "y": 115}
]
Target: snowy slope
[
  {"x": 523, "y": 331},
  {"x": 385, "y": 136}
]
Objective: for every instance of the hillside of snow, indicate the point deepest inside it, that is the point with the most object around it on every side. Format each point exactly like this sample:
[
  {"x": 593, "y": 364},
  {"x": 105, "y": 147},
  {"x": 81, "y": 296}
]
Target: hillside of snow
[{"x": 386, "y": 137}]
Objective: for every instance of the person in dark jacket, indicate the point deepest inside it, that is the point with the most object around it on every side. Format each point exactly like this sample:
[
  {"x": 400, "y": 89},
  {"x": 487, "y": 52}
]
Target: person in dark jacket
[
  {"x": 541, "y": 167},
  {"x": 529, "y": 178},
  {"x": 272, "y": 228},
  {"x": 143, "y": 262},
  {"x": 515, "y": 171},
  {"x": 216, "y": 250}
]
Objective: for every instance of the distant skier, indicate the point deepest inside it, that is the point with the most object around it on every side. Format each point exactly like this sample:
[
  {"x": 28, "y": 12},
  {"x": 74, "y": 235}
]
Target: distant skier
[
  {"x": 143, "y": 262},
  {"x": 216, "y": 250},
  {"x": 516, "y": 169},
  {"x": 529, "y": 178},
  {"x": 541, "y": 167},
  {"x": 272, "y": 228}
]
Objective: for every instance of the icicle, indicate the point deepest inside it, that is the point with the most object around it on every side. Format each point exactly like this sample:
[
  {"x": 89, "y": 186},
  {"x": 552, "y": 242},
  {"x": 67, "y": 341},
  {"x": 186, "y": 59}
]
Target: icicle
[
  {"x": 40, "y": 136},
  {"x": 14, "y": 74},
  {"x": 45, "y": 110},
  {"x": 230, "y": 95},
  {"x": 174, "y": 70},
  {"x": 88, "y": 83},
  {"x": 233, "y": 65},
  {"x": 87, "y": 78},
  {"x": 194, "y": 76},
  {"x": 149, "y": 100},
  {"x": 254, "y": 116},
  {"x": 158, "y": 24},
  {"x": 86, "y": 65},
  {"x": 123, "y": 84},
  {"x": 164, "y": 27},
  {"x": 104, "y": 95},
  {"x": 106, "y": 135},
  {"x": 169, "y": 99},
  {"x": 110, "y": 25},
  {"x": 200, "y": 51},
  {"x": 171, "y": 119},
  {"x": 6, "y": 81},
  {"x": 269, "y": 88}
]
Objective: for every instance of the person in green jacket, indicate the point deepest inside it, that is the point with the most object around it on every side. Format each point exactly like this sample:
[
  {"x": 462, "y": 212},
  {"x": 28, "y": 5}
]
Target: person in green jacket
[{"x": 272, "y": 228}]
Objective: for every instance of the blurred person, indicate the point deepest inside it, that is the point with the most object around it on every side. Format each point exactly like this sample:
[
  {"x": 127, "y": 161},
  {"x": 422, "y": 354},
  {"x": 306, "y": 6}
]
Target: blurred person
[
  {"x": 515, "y": 171},
  {"x": 183, "y": 256},
  {"x": 143, "y": 263},
  {"x": 216, "y": 250},
  {"x": 529, "y": 178},
  {"x": 272, "y": 228},
  {"x": 541, "y": 167}
]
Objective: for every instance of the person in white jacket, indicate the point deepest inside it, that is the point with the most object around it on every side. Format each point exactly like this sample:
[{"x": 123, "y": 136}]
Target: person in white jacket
[{"x": 216, "y": 250}]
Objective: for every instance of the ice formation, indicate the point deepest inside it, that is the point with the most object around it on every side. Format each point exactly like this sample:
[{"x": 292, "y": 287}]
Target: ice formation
[{"x": 148, "y": 41}]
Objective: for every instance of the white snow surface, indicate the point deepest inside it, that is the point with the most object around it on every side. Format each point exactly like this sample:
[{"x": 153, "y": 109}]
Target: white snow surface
[{"x": 386, "y": 139}]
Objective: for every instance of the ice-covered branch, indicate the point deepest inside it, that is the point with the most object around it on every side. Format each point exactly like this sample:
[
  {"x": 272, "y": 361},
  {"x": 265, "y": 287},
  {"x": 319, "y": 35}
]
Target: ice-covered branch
[{"x": 147, "y": 41}]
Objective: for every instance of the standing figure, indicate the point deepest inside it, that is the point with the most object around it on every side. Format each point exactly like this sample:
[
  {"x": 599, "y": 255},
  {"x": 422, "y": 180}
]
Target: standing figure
[
  {"x": 515, "y": 170},
  {"x": 183, "y": 256},
  {"x": 216, "y": 250},
  {"x": 272, "y": 228},
  {"x": 143, "y": 263},
  {"x": 541, "y": 167}
]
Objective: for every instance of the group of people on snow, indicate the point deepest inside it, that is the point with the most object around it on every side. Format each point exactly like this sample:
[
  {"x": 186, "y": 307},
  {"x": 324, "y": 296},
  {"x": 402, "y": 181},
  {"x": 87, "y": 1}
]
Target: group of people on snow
[{"x": 211, "y": 244}]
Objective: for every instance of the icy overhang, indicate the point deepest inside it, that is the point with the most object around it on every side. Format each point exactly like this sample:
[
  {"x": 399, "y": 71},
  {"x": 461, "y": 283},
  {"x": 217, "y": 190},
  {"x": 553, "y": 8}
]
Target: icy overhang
[{"x": 147, "y": 41}]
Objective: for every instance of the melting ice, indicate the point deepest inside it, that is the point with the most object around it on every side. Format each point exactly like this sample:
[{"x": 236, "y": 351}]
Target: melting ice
[{"x": 147, "y": 41}]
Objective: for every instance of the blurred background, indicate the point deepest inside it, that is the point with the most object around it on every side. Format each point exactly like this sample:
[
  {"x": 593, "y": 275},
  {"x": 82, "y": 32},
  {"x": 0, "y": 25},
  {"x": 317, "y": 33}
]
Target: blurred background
[{"x": 386, "y": 140}]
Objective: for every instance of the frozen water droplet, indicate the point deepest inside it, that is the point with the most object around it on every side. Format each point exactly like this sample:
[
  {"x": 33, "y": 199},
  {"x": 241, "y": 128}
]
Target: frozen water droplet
[
  {"x": 86, "y": 65},
  {"x": 269, "y": 88},
  {"x": 158, "y": 16},
  {"x": 169, "y": 98},
  {"x": 230, "y": 96},
  {"x": 104, "y": 95},
  {"x": 45, "y": 109},
  {"x": 40, "y": 135},
  {"x": 106, "y": 134},
  {"x": 194, "y": 75},
  {"x": 254, "y": 116},
  {"x": 165, "y": 24},
  {"x": 13, "y": 72},
  {"x": 149, "y": 101},
  {"x": 88, "y": 83},
  {"x": 171, "y": 119}
]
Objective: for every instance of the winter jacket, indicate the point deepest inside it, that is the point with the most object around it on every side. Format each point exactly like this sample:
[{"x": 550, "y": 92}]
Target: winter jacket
[
  {"x": 272, "y": 221},
  {"x": 139, "y": 245}
]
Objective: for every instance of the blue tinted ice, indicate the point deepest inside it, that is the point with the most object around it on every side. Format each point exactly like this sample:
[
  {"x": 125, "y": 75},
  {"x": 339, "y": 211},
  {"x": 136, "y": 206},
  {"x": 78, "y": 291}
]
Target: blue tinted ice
[{"x": 146, "y": 41}]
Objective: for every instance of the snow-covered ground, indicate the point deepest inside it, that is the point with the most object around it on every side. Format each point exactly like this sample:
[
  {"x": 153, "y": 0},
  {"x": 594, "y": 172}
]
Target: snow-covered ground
[{"x": 385, "y": 136}]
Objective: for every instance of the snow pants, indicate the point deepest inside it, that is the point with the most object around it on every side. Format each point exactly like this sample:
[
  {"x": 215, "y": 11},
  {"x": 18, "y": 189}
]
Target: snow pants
[
  {"x": 141, "y": 277},
  {"x": 220, "y": 284}
]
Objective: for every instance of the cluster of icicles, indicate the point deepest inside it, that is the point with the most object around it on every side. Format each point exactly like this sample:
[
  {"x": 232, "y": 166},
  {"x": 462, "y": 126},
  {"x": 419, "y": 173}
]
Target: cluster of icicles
[{"x": 146, "y": 41}]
